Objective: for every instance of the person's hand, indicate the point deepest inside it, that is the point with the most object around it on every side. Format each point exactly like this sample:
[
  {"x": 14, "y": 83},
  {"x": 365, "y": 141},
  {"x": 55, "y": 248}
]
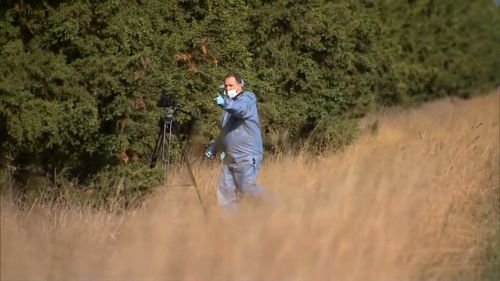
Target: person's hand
[
  {"x": 209, "y": 154},
  {"x": 211, "y": 149},
  {"x": 220, "y": 100},
  {"x": 222, "y": 156}
]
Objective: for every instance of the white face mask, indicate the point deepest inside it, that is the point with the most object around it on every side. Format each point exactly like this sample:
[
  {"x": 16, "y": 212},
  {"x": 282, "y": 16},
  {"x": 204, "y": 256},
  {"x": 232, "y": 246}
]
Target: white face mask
[{"x": 232, "y": 93}]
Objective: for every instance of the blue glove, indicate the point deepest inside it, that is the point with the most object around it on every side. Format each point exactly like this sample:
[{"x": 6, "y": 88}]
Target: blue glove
[
  {"x": 209, "y": 154},
  {"x": 220, "y": 100},
  {"x": 211, "y": 149}
]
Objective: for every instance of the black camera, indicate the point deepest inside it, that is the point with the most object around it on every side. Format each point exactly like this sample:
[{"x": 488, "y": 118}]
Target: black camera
[{"x": 166, "y": 100}]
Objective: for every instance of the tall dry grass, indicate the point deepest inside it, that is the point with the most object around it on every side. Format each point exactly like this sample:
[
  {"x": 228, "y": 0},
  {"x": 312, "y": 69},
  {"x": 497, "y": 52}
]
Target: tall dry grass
[{"x": 415, "y": 198}]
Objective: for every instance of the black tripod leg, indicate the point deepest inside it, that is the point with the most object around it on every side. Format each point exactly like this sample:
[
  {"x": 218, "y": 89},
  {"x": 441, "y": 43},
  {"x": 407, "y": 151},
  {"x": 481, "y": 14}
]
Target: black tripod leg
[
  {"x": 166, "y": 156},
  {"x": 191, "y": 173},
  {"x": 158, "y": 144}
]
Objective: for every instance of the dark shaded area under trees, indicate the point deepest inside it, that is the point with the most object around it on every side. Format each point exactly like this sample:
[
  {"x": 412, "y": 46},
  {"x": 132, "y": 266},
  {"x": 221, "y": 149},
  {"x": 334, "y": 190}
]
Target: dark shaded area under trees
[{"x": 80, "y": 79}]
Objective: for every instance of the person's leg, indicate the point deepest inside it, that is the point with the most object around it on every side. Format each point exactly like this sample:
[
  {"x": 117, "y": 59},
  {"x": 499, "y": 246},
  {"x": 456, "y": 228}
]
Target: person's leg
[
  {"x": 226, "y": 193},
  {"x": 245, "y": 176}
]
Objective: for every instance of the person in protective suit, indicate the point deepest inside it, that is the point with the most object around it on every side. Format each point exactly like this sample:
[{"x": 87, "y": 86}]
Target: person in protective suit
[{"x": 239, "y": 143}]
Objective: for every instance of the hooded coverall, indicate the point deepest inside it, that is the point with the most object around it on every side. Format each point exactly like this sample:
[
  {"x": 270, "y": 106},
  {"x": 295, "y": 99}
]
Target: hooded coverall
[{"x": 241, "y": 141}]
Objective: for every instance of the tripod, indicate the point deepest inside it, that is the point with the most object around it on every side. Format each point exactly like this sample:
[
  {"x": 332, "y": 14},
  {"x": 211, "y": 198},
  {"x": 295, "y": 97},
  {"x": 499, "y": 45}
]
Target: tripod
[{"x": 168, "y": 129}]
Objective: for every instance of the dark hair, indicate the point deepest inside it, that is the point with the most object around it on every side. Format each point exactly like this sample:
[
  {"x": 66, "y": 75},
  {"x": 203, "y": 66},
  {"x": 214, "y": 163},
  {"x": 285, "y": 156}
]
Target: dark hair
[{"x": 236, "y": 76}]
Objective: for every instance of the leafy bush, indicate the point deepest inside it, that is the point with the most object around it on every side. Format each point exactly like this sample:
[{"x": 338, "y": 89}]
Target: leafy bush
[{"x": 80, "y": 79}]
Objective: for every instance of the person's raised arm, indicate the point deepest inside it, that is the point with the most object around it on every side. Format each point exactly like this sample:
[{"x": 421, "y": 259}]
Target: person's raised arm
[{"x": 240, "y": 107}]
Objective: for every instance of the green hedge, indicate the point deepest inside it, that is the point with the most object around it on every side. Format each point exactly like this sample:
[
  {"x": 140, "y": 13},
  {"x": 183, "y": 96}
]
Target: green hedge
[{"x": 80, "y": 79}]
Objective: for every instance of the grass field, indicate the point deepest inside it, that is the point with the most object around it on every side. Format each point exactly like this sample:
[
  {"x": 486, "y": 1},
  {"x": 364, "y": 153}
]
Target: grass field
[{"x": 416, "y": 197}]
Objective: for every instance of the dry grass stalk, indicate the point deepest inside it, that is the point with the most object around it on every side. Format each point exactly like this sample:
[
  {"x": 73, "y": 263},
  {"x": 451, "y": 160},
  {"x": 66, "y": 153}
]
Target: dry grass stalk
[{"x": 403, "y": 203}]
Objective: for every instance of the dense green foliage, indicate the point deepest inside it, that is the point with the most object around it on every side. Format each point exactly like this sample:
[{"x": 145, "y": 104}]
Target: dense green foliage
[{"x": 80, "y": 79}]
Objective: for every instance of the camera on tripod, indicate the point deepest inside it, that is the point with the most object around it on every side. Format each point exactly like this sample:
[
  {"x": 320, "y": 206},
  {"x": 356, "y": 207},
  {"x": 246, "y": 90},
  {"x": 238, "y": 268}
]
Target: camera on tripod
[
  {"x": 169, "y": 103},
  {"x": 169, "y": 130},
  {"x": 166, "y": 100}
]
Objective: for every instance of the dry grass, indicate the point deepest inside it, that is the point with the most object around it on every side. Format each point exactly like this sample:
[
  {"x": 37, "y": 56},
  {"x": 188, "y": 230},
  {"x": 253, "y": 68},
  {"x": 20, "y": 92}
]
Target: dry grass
[{"x": 408, "y": 202}]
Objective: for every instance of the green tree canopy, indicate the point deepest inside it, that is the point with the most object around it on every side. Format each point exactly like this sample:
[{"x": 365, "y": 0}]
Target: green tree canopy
[{"x": 80, "y": 79}]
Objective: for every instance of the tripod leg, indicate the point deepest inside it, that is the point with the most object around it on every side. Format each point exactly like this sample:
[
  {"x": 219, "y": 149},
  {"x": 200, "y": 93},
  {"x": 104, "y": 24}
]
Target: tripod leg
[
  {"x": 184, "y": 155},
  {"x": 186, "y": 159},
  {"x": 166, "y": 141},
  {"x": 158, "y": 144}
]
